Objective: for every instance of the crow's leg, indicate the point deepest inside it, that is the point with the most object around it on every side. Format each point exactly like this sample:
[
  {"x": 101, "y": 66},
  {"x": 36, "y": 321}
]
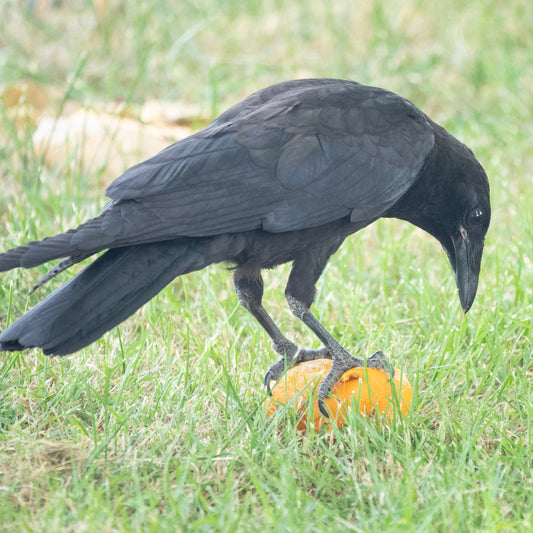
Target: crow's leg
[
  {"x": 300, "y": 294},
  {"x": 249, "y": 289}
]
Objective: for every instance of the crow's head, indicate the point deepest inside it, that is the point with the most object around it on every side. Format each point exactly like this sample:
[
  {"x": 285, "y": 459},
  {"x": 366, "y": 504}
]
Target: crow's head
[
  {"x": 464, "y": 238},
  {"x": 451, "y": 201}
]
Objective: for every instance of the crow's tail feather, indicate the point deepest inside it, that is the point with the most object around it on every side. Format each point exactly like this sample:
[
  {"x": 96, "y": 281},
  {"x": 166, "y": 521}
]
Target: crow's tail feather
[
  {"x": 78, "y": 243},
  {"x": 38, "y": 252},
  {"x": 104, "y": 294}
]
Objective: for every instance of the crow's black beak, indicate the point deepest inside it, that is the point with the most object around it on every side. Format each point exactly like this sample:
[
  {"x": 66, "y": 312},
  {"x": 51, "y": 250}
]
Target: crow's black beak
[{"x": 465, "y": 258}]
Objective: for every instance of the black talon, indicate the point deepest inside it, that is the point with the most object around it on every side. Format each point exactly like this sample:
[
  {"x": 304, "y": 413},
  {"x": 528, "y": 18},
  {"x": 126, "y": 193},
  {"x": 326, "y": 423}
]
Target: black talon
[
  {"x": 322, "y": 408},
  {"x": 266, "y": 383}
]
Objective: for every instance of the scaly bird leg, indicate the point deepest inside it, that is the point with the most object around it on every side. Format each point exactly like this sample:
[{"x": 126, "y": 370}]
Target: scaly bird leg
[
  {"x": 342, "y": 359},
  {"x": 249, "y": 289},
  {"x": 300, "y": 293}
]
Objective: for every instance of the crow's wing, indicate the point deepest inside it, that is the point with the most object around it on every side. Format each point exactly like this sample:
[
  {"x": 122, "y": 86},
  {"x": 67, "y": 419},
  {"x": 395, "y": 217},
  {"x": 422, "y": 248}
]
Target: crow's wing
[
  {"x": 293, "y": 156},
  {"x": 280, "y": 161}
]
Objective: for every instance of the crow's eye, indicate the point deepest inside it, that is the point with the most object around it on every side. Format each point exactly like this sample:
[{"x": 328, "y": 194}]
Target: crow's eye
[{"x": 475, "y": 217}]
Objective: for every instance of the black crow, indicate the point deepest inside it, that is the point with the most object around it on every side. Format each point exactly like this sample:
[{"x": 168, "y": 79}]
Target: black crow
[{"x": 285, "y": 175}]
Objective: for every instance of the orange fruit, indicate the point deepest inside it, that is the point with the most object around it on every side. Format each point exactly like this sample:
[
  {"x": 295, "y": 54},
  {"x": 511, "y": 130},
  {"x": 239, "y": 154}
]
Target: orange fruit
[{"x": 369, "y": 389}]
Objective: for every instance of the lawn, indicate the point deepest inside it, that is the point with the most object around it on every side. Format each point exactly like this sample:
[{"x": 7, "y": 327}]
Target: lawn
[{"x": 158, "y": 425}]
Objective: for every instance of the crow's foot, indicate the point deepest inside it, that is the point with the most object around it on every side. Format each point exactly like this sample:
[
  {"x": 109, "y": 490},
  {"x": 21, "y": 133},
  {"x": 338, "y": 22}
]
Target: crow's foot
[{"x": 345, "y": 362}]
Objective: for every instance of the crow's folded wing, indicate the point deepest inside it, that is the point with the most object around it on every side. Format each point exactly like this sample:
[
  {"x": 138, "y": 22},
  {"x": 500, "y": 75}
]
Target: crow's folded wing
[
  {"x": 295, "y": 161},
  {"x": 293, "y": 156}
]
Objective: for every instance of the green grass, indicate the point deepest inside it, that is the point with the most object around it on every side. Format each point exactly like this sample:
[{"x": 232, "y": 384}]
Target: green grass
[{"x": 158, "y": 426}]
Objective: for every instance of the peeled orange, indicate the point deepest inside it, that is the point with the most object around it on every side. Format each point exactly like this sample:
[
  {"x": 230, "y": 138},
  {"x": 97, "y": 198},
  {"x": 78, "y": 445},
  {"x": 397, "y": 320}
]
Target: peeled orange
[{"x": 368, "y": 389}]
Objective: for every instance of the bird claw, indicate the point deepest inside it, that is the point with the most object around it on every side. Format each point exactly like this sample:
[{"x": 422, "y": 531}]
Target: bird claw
[
  {"x": 276, "y": 371},
  {"x": 322, "y": 408},
  {"x": 377, "y": 360},
  {"x": 268, "y": 380}
]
